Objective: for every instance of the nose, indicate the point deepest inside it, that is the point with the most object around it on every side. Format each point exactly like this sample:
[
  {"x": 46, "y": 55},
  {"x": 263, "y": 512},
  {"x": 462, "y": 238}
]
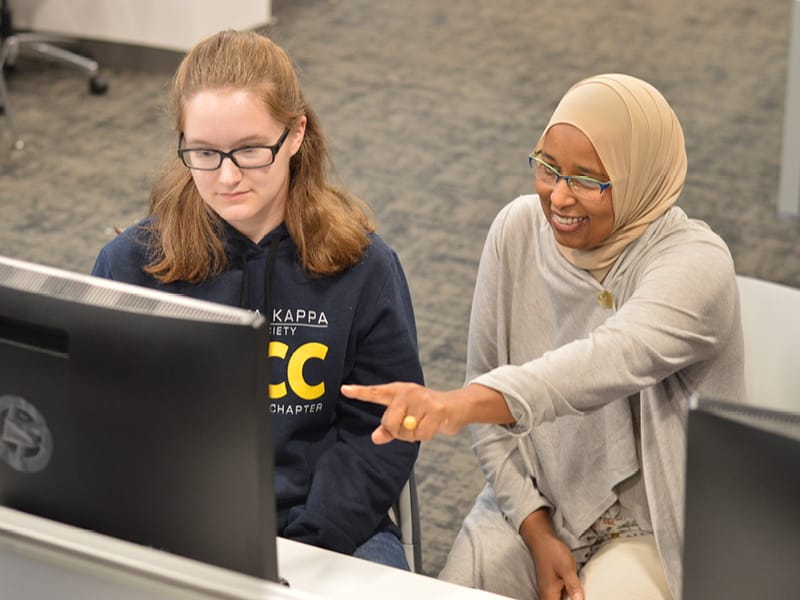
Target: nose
[
  {"x": 228, "y": 171},
  {"x": 561, "y": 194}
]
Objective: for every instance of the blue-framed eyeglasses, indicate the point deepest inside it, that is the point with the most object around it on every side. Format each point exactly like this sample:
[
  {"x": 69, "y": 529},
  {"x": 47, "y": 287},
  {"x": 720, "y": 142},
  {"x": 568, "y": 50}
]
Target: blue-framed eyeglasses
[
  {"x": 585, "y": 188},
  {"x": 246, "y": 157}
]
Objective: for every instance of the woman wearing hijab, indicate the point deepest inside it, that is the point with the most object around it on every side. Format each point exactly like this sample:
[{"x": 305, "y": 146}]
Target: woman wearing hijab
[{"x": 599, "y": 309}]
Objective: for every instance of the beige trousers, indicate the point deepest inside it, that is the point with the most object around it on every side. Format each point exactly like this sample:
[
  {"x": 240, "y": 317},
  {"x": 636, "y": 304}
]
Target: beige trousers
[
  {"x": 489, "y": 554},
  {"x": 625, "y": 569}
]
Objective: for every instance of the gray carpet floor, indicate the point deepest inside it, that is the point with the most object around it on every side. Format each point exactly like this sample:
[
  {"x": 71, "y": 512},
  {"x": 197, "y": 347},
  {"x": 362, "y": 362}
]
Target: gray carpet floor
[{"x": 432, "y": 108}]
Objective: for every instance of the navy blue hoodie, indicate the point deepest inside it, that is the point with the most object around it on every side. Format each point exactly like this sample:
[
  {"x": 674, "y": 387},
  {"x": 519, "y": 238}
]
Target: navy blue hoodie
[{"x": 334, "y": 487}]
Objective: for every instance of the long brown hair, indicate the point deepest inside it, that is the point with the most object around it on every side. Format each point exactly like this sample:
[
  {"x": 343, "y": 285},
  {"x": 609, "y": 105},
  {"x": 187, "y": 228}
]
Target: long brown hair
[{"x": 329, "y": 226}]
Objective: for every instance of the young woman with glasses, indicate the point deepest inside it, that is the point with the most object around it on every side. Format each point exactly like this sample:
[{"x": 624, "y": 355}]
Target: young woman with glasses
[
  {"x": 600, "y": 308},
  {"x": 244, "y": 215}
]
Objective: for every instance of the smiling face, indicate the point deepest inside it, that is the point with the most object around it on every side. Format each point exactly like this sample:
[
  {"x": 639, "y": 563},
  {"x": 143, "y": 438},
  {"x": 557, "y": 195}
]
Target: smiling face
[
  {"x": 253, "y": 201},
  {"x": 577, "y": 224}
]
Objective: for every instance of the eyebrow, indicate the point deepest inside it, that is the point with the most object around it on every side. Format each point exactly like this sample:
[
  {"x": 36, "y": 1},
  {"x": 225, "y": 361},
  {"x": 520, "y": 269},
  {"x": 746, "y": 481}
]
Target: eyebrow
[
  {"x": 251, "y": 140},
  {"x": 582, "y": 170}
]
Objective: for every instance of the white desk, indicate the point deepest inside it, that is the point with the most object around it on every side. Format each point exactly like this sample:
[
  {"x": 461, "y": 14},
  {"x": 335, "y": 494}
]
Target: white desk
[
  {"x": 40, "y": 558},
  {"x": 168, "y": 24},
  {"x": 339, "y": 577}
]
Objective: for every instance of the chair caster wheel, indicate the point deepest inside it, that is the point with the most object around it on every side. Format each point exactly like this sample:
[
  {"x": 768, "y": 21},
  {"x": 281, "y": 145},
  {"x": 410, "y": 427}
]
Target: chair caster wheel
[{"x": 97, "y": 85}]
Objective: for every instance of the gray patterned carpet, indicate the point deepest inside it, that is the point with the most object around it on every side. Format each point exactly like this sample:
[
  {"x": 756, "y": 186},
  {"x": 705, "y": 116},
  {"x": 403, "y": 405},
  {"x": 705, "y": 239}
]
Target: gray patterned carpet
[{"x": 432, "y": 108}]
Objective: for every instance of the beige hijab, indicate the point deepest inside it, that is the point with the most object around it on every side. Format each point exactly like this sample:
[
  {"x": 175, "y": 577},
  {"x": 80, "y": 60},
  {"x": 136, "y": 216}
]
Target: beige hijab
[{"x": 640, "y": 143}]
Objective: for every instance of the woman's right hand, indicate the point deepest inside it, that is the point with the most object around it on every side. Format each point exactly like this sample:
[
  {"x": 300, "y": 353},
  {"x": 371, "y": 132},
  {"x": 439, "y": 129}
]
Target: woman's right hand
[
  {"x": 556, "y": 572},
  {"x": 431, "y": 411},
  {"x": 415, "y": 413}
]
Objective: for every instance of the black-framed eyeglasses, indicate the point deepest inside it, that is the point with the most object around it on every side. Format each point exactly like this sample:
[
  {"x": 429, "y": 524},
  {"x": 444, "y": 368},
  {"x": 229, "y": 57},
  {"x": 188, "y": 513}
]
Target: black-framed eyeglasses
[
  {"x": 585, "y": 188},
  {"x": 246, "y": 157}
]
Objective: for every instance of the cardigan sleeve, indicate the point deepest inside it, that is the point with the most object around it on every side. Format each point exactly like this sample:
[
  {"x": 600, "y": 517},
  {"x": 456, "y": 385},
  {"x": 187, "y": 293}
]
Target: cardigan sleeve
[
  {"x": 500, "y": 452},
  {"x": 681, "y": 311}
]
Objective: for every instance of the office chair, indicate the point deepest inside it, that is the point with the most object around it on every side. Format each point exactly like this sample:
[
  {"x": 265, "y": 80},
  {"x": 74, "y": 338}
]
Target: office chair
[
  {"x": 406, "y": 515},
  {"x": 12, "y": 42}
]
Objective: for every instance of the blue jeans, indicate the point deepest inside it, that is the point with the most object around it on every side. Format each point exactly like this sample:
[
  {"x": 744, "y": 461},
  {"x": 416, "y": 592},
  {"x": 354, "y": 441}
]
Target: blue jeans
[{"x": 383, "y": 548}]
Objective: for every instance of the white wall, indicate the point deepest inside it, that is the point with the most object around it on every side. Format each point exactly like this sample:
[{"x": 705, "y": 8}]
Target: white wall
[{"x": 167, "y": 24}]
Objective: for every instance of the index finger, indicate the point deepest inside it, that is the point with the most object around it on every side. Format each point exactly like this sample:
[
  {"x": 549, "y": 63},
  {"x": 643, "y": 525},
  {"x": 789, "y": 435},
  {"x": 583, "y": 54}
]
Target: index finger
[{"x": 377, "y": 394}]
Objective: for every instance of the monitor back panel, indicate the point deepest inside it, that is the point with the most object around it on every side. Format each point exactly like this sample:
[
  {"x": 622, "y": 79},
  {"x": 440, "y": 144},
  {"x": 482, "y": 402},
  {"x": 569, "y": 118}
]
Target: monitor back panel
[
  {"x": 742, "y": 535},
  {"x": 151, "y": 434}
]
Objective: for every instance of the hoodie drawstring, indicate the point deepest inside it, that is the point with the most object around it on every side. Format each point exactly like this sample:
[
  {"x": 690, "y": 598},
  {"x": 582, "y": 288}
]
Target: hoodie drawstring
[
  {"x": 272, "y": 256},
  {"x": 244, "y": 292}
]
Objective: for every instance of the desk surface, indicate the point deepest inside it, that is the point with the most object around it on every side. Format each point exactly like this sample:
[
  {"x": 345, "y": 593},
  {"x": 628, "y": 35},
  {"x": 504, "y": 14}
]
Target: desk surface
[
  {"x": 166, "y": 24},
  {"x": 40, "y": 558},
  {"x": 336, "y": 576}
]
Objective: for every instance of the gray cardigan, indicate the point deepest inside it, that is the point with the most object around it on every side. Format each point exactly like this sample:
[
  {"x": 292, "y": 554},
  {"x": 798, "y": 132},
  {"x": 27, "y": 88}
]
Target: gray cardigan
[{"x": 542, "y": 332}]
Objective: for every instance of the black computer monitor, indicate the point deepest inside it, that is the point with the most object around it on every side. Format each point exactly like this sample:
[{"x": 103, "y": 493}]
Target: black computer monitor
[
  {"x": 742, "y": 503},
  {"x": 137, "y": 414}
]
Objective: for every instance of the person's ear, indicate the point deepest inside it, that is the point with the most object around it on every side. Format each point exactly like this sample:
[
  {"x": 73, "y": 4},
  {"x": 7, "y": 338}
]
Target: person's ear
[{"x": 298, "y": 134}]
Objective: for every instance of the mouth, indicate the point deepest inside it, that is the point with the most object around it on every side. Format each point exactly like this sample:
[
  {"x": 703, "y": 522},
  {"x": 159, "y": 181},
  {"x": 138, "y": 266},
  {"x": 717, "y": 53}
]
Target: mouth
[
  {"x": 567, "y": 224},
  {"x": 233, "y": 195},
  {"x": 568, "y": 220}
]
